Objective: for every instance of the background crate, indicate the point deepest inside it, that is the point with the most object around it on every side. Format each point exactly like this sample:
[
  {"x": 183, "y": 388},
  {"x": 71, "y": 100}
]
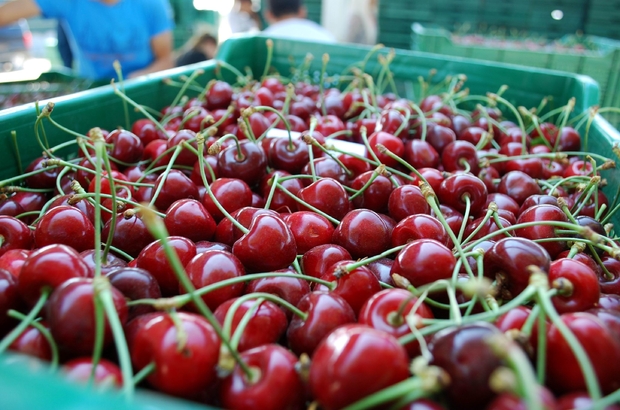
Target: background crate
[
  {"x": 602, "y": 65},
  {"x": 101, "y": 107}
]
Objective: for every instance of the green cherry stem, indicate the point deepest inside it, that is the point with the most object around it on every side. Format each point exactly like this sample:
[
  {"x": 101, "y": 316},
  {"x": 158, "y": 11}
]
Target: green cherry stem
[
  {"x": 46, "y": 334},
  {"x": 30, "y": 317}
]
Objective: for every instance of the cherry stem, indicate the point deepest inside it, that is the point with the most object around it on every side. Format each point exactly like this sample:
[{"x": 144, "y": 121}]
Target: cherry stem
[
  {"x": 144, "y": 373},
  {"x": 159, "y": 231},
  {"x": 243, "y": 323},
  {"x": 490, "y": 211},
  {"x": 99, "y": 336},
  {"x": 363, "y": 262},
  {"x": 325, "y": 60},
  {"x": 139, "y": 108},
  {"x": 46, "y": 334},
  {"x": 541, "y": 359},
  {"x": 164, "y": 175},
  {"x": 396, "y": 391},
  {"x": 269, "y": 44},
  {"x": 119, "y": 72},
  {"x": 17, "y": 155},
  {"x": 513, "y": 355},
  {"x": 312, "y": 208},
  {"x": 241, "y": 79},
  {"x": 186, "y": 84},
  {"x": 592, "y": 384},
  {"x": 380, "y": 170},
  {"x": 273, "y": 182},
  {"x": 103, "y": 290},
  {"x": 467, "y": 200},
  {"x": 19, "y": 329},
  {"x": 312, "y": 142}
]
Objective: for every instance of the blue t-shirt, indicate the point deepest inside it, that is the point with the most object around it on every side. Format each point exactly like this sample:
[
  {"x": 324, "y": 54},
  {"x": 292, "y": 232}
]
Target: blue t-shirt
[{"x": 104, "y": 33}]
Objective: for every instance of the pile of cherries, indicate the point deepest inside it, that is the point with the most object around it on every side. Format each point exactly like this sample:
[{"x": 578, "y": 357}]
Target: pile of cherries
[{"x": 383, "y": 253}]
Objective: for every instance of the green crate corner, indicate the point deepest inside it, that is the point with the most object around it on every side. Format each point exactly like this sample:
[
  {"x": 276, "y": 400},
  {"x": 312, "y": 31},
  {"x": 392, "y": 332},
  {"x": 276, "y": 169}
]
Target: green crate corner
[
  {"x": 101, "y": 107},
  {"x": 602, "y": 65}
]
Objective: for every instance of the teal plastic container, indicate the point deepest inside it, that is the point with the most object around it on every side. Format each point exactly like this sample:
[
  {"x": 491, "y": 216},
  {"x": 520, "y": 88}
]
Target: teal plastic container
[{"x": 24, "y": 388}]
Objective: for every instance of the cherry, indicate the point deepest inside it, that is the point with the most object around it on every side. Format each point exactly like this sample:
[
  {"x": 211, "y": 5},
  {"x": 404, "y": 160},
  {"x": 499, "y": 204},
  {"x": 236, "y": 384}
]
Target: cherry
[
  {"x": 563, "y": 372},
  {"x": 577, "y": 284},
  {"x": 153, "y": 259},
  {"x": 280, "y": 201},
  {"x": 507, "y": 261},
  {"x": 549, "y": 132},
  {"x": 514, "y": 319},
  {"x": 489, "y": 175},
  {"x": 134, "y": 284},
  {"x": 210, "y": 163},
  {"x": 268, "y": 245},
  {"x": 419, "y": 226},
  {"x": 454, "y": 190},
  {"x": 326, "y": 195},
  {"x": 387, "y": 310},
  {"x": 189, "y": 218},
  {"x": 464, "y": 354},
  {"x": 309, "y": 229},
  {"x": 290, "y": 287},
  {"x": 439, "y": 137},
  {"x": 421, "y": 154},
  {"x": 230, "y": 193},
  {"x": 315, "y": 261},
  {"x": 519, "y": 186},
  {"x": 538, "y": 199},
  {"x": 510, "y": 401},
  {"x": 152, "y": 151},
  {"x": 247, "y": 162},
  {"x": 424, "y": 261},
  {"x": 376, "y": 195},
  {"x": 185, "y": 357},
  {"x": 502, "y": 201},
  {"x": 578, "y": 400},
  {"x": 82, "y": 204},
  {"x": 329, "y": 124},
  {"x": 610, "y": 285},
  {"x": 219, "y": 95},
  {"x": 126, "y": 146},
  {"x": 14, "y": 234},
  {"x": 389, "y": 141},
  {"x": 460, "y": 156},
  {"x": 9, "y": 299},
  {"x": 363, "y": 233},
  {"x": 389, "y": 122},
  {"x": 570, "y": 140},
  {"x": 346, "y": 364},
  {"x": 213, "y": 266},
  {"x": 32, "y": 343},
  {"x": 325, "y": 167},
  {"x": 65, "y": 225},
  {"x": 129, "y": 233},
  {"x": 185, "y": 136},
  {"x": 71, "y": 316},
  {"x": 106, "y": 373},
  {"x": 407, "y": 200},
  {"x": 13, "y": 260},
  {"x": 591, "y": 206},
  {"x": 228, "y": 233},
  {"x": 49, "y": 267},
  {"x": 110, "y": 263},
  {"x": 176, "y": 185},
  {"x": 433, "y": 176},
  {"x": 146, "y": 130},
  {"x": 288, "y": 155},
  {"x": 266, "y": 325},
  {"x": 277, "y": 385},
  {"x": 540, "y": 213}
]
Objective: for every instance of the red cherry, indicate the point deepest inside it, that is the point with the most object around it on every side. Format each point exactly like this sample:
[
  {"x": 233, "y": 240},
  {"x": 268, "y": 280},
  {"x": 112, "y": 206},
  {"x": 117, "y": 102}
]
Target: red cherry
[
  {"x": 327, "y": 195},
  {"x": 130, "y": 234},
  {"x": 421, "y": 154},
  {"x": 519, "y": 186},
  {"x": 309, "y": 229},
  {"x": 32, "y": 343},
  {"x": 71, "y": 316},
  {"x": 424, "y": 261},
  {"x": 13, "y": 260},
  {"x": 184, "y": 365},
  {"x": 579, "y": 400},
  {"x": 407, "y": 200},
  {"x": 231, "y": 193},
  {"x": 14, "y": 234},
  {"x": 278, "y": 386},
  {"x": 107, "y": 374},
  {"x": 65, "y": 225},
  {"x": 189, "y": 218},
  {"x": 346, "y": 364},
  {"x": 290, "y": 156},
  {"x": 315, "y": 261},
  {"x": 376, "y": 195},
  {"x": 540, "y": 213},
  {"x": 146, "y": 130},
  {"x": 219, "y": 95},
  {"x": 363, "y": 233},
  {"x": 45, "y": 178},
  {"x": 419, "y": 226},
  {"x": 454, "y": 190},
  {"x": 9, "y": 299},
  {"x": 126, "y": 146},
  {"x": 290, "y": 287},
  {"x": 176, "y": 185},
  {"x": 577, "y": 285},
  {"x": 460, "y": 156}
]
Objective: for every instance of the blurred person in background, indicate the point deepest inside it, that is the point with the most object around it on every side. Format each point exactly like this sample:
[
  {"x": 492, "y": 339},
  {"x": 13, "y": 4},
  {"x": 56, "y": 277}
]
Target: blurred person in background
[
  {"x": 287, "y": 19},
  {"x": 137, "y": 33},
  {"x": 362, "y": 27},
  {"x": 243, "y": 18},
  {"x": 200, "y": 48}
]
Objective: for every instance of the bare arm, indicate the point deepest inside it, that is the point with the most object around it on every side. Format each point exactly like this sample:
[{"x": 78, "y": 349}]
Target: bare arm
[
  {"x": 161, "y": 45},
  {"x": 18, "y": 9}
]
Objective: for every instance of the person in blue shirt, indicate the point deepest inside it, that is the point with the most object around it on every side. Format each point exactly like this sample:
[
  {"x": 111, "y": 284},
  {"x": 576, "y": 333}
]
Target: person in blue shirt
[{"x": 137, "y": 33}]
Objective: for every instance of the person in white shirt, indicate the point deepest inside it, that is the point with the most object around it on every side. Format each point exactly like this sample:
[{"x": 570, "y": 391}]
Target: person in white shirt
[{"x": 287, "y": 19}]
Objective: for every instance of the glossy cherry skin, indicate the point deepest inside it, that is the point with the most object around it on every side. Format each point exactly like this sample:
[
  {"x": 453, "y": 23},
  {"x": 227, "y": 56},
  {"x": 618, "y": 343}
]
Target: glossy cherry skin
[
  {"x": 280, "y": 201},
  {"x": 266, "y": 325},
  {"x": 393, "y": 143},
  {"x": 290, "y": 156},
  {"x": 247, "y": 163},
  {"x": 464, "y": 354},
  {"x": 519, "y": 186},
  {"x": 419, "y": 226},
  {"x": 71, "y": 316},
  {"x": 13, "y": 260},
  {"x": 578, "y": 400},
  {"x": 107, "y": 374},
  {"x": 289, "y": 287},
  {"x": 9, "y": 299},
  {"x": 211, "y": 267},
  {"x": 510, "y": 401},
  {"x": 563, "y": 371},
  {"x": 43, "y": 179},
  {"x": 153, "y": 259},
  {"x": 454, "y": 190},
  {"x": 134, "y": 284},
  {"x": 543, "y": 213},
  {"x": 349, "y": 365},
  {"x": 610, "y": 285},
  {"x": 175, "y": 186},
  {"x": 585, "y": 290},
  {"x": 184, "y": 365},
  {"x": 110, "y": 263},
  {"x": 32, "y": 343},
  {"x": 355, "y": 286},
  {"x": 326, "y": 195},
  {"x": 126, "y": 146},
  {"x": 316, "y": 261},
  {"x": 363, "y": 233},
  {"x": 407, "y": 200},
  {"x": 375, "y": 196},
  {"x": 190, "y": 219},
  {"x": 49, "y": 267},
  {"x": 268, "y": 245},
  {"x": 421, "y": 154},
  {"x": 14, "y": 234},
  {"x": 130, "y": 234},
  {"x": 231, "y": 193},
  {"x": 228, "y": 233},
  {"x": 278, "y": 386},
  {"x": 219, "y": 95},
  {"x": 65, "y": 225},
  {"x": 508, "y": 261},
  {"x": 309, "y": 229},
  {"x": 458, "y": 153},
  {"x": 383, "y": 312},
  {"x": 424, "y": 261}
]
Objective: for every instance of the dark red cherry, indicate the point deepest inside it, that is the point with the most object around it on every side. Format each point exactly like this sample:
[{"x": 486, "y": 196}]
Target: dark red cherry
[
  {"x": 460, "y": 156},
  {"x": 316, "y": 261},
  {"x": 189, "y": 218},
  {"x": 309, "y": 229},
  {"x": 126, "y": 146},
  {"x": 230, "y": 193},
  {"x": 423, "y": 261},
  {"x": 419, "y": 226},
  {"x": 9, "y": 299},
  {"x": 519, "y": 186},
  {"x": 327, "y": 195},
  {"x": 459, "y": 189},
  {"x": 289, "y": 287},
  {"x": 106, "y": 373},
  {"x": 134, "y": 284},
  {"x": 363, "y": 233},
  {"x": 130, "y": 233},
  {"x": 407, "y": 200},
  {"x": 14, "y": 234},
  {"x": 32, "y": 343},
  {"x": 375, "y": 195},
  {"x": 421, "y": 154},
  {"x": 577, "y": 284},
  {"x": 538, "y": 215}
]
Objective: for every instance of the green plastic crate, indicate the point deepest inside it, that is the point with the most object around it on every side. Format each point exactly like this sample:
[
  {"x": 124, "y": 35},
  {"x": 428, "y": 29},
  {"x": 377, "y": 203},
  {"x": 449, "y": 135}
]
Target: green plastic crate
[
  {"x": 101, "y": 107},
  {"x": 602, "y": 65}
]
